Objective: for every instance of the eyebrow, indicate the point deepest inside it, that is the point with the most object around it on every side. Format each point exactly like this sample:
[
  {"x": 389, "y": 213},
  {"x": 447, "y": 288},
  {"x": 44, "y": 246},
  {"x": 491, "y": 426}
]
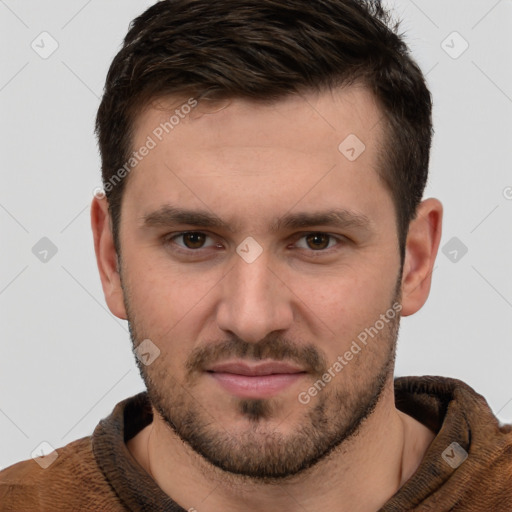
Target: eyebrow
[{"x": 340, "y": 218}]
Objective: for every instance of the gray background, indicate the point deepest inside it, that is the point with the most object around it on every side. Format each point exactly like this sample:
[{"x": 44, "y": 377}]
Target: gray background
[{"x": 66, "y": 360}]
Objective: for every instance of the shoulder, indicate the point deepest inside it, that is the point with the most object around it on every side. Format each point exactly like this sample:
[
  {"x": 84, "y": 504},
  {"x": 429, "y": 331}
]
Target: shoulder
[{"x": 73, "y": 481}]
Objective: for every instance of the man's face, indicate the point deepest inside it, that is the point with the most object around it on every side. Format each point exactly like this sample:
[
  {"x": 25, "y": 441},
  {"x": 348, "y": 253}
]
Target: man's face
[{"x": 223, "y": 300}]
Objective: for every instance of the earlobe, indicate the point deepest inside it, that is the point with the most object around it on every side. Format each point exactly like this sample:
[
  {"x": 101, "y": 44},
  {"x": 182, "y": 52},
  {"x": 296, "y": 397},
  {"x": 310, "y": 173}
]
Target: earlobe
[
  {"x": 421, "y": 250},
  {"x": 106, "y": 257}
]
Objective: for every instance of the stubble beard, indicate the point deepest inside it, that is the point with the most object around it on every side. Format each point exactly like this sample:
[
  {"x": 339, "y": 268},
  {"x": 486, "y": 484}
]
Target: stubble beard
[{"x": 261, "y": 451}]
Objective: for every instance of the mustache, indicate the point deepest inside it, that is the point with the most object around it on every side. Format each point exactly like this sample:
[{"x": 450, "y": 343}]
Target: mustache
[{"x": 271, "y": 347}]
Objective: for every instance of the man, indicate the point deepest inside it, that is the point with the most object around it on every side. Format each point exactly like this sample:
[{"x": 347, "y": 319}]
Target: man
[{"x": 263, "y": 231}]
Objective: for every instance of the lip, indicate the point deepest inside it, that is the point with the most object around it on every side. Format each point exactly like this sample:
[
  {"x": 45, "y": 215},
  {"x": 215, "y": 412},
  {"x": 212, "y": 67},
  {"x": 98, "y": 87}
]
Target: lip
[
  {"x": 266, "y": 368},
  {"x": 260, "y": 380}
]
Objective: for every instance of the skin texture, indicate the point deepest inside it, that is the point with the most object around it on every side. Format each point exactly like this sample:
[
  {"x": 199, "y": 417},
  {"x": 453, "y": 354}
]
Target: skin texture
[{"x": 304, "y": 300}]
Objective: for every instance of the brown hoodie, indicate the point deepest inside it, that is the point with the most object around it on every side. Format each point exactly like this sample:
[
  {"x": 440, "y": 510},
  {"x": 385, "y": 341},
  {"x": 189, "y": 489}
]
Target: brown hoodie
[{"x": 467, "y": 467}]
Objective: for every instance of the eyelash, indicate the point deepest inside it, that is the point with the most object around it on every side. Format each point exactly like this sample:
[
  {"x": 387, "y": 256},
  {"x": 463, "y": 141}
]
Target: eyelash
[{"x": 169, "y": 239}]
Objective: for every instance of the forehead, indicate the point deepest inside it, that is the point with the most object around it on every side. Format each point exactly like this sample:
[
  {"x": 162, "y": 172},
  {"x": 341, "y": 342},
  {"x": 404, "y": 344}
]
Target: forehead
[
  {"x": 291, "y": 121},
  {"x": 301, "y": 148}
]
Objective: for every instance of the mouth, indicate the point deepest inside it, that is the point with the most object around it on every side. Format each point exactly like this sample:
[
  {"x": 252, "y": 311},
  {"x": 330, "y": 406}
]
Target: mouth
[{"x": 260, "y": 380}]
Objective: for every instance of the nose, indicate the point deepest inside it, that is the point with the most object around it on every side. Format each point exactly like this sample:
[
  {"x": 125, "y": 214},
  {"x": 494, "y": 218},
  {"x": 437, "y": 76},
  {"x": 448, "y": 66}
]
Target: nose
[{"x": 255, "y": 299}]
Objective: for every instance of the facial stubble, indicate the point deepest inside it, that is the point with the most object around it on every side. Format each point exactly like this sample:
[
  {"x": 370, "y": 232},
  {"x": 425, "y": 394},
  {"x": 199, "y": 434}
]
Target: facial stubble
[{"x": 261, "y": 451}]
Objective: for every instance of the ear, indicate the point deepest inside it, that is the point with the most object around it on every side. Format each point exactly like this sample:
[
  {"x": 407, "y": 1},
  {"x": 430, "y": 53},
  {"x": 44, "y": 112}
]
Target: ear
[
  {"x": 106, "y": 257},
  {"x": 421, "y": 250}
]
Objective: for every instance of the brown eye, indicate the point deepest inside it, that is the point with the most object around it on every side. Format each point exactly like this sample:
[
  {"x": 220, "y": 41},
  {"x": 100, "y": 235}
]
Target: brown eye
[
  {"x": 318, "y": 241},
  {"x": 190, "y": 243},
  {"x": 193, "y": 240}
]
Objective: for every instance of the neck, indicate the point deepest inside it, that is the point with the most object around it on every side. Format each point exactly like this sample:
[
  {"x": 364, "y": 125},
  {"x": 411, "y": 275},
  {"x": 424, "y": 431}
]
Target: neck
[{"x": 359, "y": 476}]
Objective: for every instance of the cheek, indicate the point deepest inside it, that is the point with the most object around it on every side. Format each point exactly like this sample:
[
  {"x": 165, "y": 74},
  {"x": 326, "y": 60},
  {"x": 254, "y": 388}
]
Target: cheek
[
  {"x": 168, "y": 306},
  {"x": 346, "y": 303}
]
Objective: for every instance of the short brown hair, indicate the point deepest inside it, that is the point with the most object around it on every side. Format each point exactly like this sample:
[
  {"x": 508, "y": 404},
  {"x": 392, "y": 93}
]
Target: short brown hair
[{"x": 264, "y": 50}]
